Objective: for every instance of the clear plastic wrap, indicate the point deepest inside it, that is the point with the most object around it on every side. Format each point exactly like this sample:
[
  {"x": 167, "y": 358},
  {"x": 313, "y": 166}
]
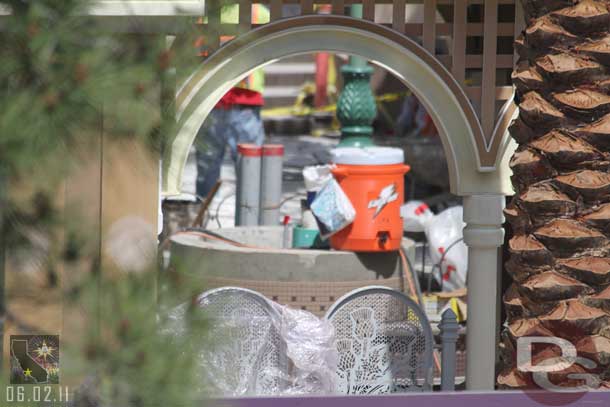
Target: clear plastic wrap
[
  {"x": 254, "y": 350},
  {"x": 311, "y": 351}
]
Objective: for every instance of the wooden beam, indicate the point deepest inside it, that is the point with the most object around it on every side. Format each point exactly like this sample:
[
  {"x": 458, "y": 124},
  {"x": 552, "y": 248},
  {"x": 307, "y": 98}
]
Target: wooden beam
[
  {"x": 214, "y": 30},
  {"x": 398, "y": 15},
  {"x": 429, "y": 37},
  {"x": 519, "y": 23},
  {"x": 338, "y": 7},
  {"x": 476, "y": 61},
  {"x": 501, "y": 93},
  {"x": 146, "y": 8},
  {"x": 368, "y": 10},
  {"x": 275, "y": 9},
  {"x": 349, "y": 2},
  {"x": 458, "y": 68},
  {"x": 172, "y": 8},
  {"x": 245, "y": 16},
  {"x": 488, "y": 105},
  {"x": 306, "y": 6}
]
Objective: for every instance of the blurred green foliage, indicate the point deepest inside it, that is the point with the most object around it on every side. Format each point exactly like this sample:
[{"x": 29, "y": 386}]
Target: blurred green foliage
[{"x": 64, "y": 79}]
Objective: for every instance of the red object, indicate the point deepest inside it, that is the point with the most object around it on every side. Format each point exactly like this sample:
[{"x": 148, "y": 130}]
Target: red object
[
  {"x": 286, "y": 220},
  {"x": 447, "y": 274},
  {"x": 273, "y": 149},
  {"x": 240, "y": 96},
  {"x": 421, "y": 209},
  {"x": 235, "y": 96},
  {"x": 373, "y": 230},
  {"x": 249, "y": 150},
  {"x": 321, "y": 97}
]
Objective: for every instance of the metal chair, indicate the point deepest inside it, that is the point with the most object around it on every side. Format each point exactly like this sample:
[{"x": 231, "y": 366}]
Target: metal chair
[
  {"x": 245, "y": 353},
  {"x": 384, "y": 341}
]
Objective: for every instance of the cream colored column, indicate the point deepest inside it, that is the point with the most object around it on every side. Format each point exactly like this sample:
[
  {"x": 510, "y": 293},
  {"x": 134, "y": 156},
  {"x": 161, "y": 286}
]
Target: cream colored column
[{"x": 484, "y": 235}]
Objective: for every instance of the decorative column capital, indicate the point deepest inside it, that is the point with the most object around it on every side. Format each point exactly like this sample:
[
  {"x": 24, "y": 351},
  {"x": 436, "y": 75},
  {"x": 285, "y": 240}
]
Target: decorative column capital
[
  {"x": 484, "y": 209},
  {"x": 484, "y": 218},
  {"x": 356, "y": 107}
]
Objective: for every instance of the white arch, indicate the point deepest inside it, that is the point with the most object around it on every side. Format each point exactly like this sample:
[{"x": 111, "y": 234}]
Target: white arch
[
  {"x": 473, "y": 167},
  {"x": 478, "y": 170}
]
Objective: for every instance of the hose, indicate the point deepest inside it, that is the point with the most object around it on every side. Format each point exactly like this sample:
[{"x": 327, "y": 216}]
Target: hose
[{"x": 213, "y": 236}]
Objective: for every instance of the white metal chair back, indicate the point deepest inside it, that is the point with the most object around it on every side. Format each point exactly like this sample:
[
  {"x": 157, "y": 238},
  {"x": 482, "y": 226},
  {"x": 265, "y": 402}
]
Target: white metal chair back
[
  {"x": 384, "y": 341},
  {"x": 245, "y": 354}
]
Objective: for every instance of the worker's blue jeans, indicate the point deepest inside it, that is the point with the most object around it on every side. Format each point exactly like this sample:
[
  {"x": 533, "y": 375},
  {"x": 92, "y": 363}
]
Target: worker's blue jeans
[{"x": 222, "y": 128}]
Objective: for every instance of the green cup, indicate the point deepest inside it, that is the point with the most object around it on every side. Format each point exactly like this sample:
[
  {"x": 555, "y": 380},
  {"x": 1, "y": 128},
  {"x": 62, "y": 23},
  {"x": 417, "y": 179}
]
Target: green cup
[{"x": 306, "y": 238}]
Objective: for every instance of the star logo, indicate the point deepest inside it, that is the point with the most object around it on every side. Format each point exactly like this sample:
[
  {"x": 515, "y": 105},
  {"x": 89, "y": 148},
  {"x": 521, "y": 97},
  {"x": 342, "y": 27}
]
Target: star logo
[
  {"x": 27, "y": 373},
  {"x": 44, "y": 351}
]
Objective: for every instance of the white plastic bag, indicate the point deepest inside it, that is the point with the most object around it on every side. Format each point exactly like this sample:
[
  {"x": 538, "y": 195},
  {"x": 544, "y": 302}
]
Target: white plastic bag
[
  {"x": 316, "y": 177},
  {"x": 332, "y": 208},
  {"x": 445, "y": 237},
  {"x": 415, "y": 216}
]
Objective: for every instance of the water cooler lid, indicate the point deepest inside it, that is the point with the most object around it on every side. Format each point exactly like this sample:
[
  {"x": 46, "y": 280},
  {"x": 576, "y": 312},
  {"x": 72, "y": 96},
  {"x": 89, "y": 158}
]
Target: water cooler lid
[{"x": 367, "y": 156}]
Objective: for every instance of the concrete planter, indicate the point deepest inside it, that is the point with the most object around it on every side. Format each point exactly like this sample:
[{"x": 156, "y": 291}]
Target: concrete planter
[{"x": 305, "y": 279}]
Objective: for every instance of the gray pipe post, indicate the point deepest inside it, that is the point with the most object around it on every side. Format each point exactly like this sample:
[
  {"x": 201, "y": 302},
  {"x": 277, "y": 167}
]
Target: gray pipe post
[
  {"x": 247, "y": 199},
  {"x": 449, "y": 335},
  {"x": 271, "y": 184}
]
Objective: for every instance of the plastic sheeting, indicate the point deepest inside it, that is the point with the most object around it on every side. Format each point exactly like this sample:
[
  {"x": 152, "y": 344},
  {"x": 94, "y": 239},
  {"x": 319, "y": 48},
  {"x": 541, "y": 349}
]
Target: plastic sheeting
[
  {"x": 253, "y": 351},
  {"x": 315, "y": 177},
  {"x": 311, "y": 350},
  {"x": 445, "y": 237},
  {"x": 447, "y": 249},
  {"x": 415, "y": 215}
]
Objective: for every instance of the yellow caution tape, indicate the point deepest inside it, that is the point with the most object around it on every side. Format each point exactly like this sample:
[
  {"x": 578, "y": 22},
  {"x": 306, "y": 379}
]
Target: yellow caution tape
[
  {"x": 301, "y": 110},
  {"x": 455, "y": 307}
]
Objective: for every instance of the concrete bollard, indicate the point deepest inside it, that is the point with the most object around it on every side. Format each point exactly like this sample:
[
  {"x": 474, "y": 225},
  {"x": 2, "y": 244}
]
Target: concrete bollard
[
  {"x": 247, "y": 199},
  {"x": 449, "y": 335},
  {"x": 271, "y": 184}
]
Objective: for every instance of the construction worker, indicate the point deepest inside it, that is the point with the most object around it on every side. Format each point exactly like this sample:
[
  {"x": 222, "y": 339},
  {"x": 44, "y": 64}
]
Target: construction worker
[{"x": 235, "y": 119}]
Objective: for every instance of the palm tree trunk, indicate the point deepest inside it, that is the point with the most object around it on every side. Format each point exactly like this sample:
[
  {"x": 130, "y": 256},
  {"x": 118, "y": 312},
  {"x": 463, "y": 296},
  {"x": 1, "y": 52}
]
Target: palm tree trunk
[{"x": 560, "y": 214}]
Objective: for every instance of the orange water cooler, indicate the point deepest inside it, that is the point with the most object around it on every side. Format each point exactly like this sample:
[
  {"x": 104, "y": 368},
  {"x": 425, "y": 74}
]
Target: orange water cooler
[{"x": 373, "y": 180}]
